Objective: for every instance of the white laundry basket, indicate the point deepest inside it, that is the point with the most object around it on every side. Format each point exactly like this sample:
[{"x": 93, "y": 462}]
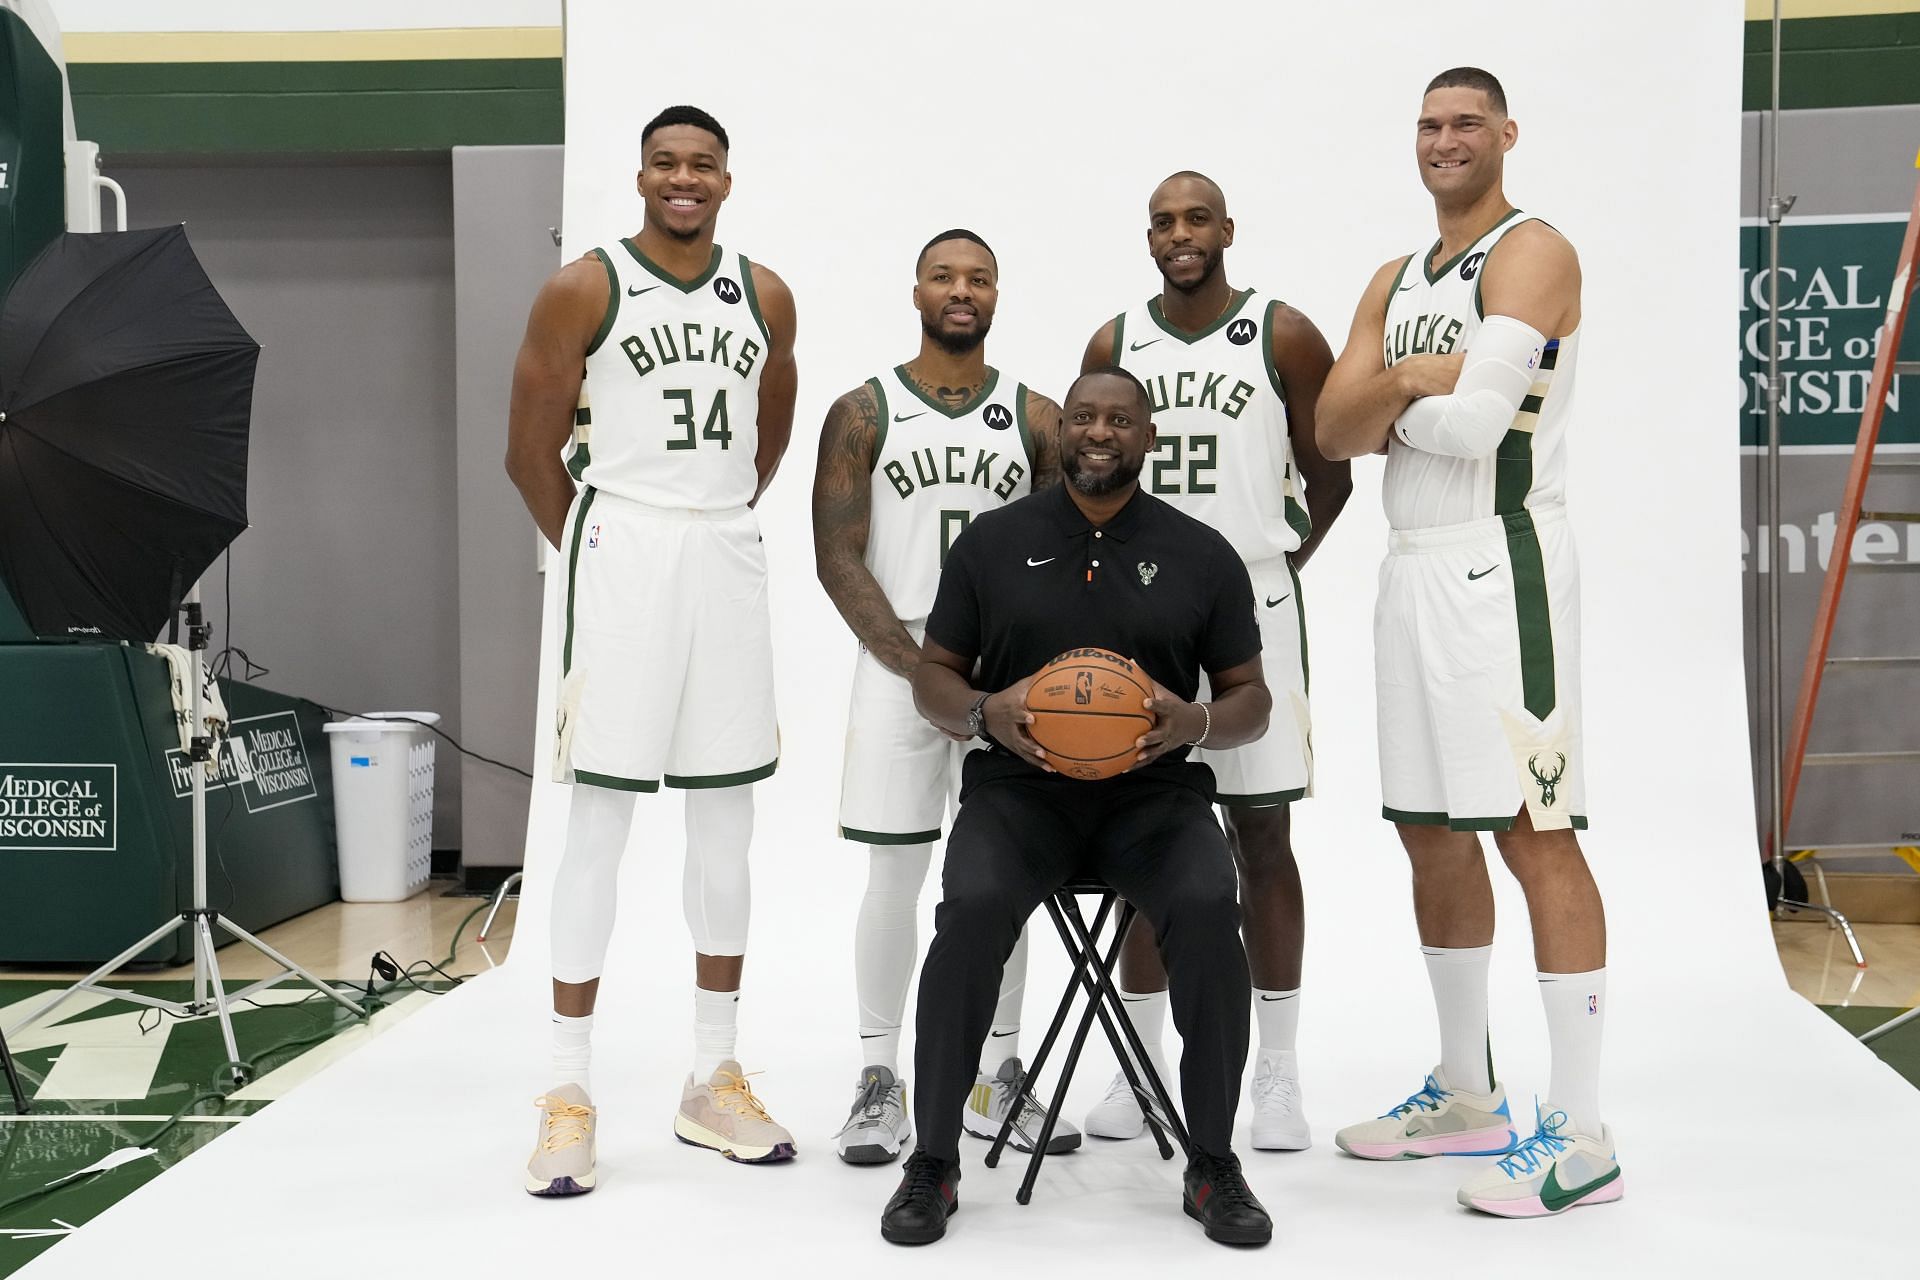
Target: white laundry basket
[{"x": 383, "y": 803}]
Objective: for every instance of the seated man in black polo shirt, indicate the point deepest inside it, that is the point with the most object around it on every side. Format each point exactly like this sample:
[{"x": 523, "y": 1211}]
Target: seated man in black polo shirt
[{"x": 1092, "y": 562}]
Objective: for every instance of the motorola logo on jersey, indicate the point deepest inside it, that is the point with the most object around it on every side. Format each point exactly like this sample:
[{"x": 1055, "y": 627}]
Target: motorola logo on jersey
[
  {"x": 997, "y": 416},
  {"x": 728, "y": 291},
  {"x": 1241, "y": 332},
  {"x": 1471, "y": 267}
]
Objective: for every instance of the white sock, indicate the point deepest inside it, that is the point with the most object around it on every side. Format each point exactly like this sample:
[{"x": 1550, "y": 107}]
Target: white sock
[
  {"x": 573, "y": 1050},
  {"x": 1147, "y": 1010},
  {"x": 1003, "y": 1038},
  {"x": 885, "y": 946},
  {"x": 1576, "y": 1012},
  {"x": 1459, "y": 977},
  {"x": 714, "y": 1030},
  {"x": 1278, "y": 1015}
]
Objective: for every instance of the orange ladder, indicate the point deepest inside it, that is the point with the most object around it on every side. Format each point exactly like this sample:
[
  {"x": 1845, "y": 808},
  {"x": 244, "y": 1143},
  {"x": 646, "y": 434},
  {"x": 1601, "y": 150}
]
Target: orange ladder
[{"x": 1886, "y": 367}]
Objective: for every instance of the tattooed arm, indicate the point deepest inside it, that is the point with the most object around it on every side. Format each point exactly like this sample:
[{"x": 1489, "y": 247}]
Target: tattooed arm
[
  {"x": 842, "y": 514},
  {"x": 1043, "y": 426}
]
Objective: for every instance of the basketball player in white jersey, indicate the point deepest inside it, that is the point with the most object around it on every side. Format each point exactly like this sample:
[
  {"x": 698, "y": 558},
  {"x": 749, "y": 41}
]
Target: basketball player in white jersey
[
  {"x": 1233, "y": 377},
  {"x": 907, "y": 459},
  {"x": 686, "y": 408},
  {"x": 1460, "y": 367}
]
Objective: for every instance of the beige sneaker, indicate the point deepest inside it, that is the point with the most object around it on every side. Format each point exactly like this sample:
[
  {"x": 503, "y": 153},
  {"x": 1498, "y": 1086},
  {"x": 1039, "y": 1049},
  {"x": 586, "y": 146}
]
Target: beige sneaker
[
  {"x": 723, "y": 1115},
  {"x": 562, "y": 1163}
]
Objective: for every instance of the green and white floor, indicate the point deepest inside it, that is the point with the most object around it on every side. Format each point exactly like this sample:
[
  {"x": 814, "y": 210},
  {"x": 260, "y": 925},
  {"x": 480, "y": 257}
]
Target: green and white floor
[{"x": 125, "y": 1094}]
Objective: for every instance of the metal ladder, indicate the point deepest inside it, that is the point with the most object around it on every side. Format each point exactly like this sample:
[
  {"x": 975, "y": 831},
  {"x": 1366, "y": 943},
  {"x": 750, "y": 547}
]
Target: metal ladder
[{"x": 1886, "y": 367}]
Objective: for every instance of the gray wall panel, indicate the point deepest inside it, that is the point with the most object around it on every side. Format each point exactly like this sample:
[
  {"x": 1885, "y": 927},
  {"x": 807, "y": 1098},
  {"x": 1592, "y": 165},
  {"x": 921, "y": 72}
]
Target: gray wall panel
[
  {"x": 345, "y": 585},
  {"x": 1843, "y": 160},
  {"x": 504, "y": 201}
]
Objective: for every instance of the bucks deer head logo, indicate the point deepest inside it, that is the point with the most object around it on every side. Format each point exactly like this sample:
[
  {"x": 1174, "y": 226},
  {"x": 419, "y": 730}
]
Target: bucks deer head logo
[
  {"x": 1548, "y": 781},
  {"x": 1146, "y": 572}
]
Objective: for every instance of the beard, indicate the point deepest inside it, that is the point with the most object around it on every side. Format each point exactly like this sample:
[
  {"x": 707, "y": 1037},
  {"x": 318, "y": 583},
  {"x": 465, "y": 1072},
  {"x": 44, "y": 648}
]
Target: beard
[
  {"x": 955, "y": 344},
  {"x": 1092, "y": 486},
  {"x": 1209, "y": 268}
]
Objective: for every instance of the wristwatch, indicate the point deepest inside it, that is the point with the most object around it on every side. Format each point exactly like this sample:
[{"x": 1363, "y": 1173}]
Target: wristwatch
[{"x": 977, "y": 717}]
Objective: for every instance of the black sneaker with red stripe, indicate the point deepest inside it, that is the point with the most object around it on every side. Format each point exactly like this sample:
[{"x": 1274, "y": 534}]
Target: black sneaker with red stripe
[
  {"x": 919, "y": 1210},
  {"x": 1218, "y": 1198}
]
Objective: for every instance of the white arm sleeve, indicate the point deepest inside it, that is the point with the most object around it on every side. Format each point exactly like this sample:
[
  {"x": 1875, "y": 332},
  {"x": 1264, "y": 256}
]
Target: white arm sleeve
[{"x": 1497, "y": 375}]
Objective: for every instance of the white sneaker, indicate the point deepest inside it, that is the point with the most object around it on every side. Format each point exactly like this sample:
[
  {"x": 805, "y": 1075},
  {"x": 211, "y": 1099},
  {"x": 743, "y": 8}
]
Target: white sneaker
[
  {"x": 1549, "y": 1173},
  {"x": 1279, "y": 1119},
  {"x": 563, "y": 1151},
  {"x": 1118, "y": 1115},
  {"x": 1436, "y": 1121},
  {"x": 991, "y": 1100},
  {"x": 876, "y": 1128}
]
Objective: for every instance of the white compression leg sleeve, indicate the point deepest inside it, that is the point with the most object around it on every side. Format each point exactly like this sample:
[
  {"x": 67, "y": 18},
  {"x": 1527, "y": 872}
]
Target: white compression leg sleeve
[
  {"x": 585, "y": 886},
  {"x": 1003, "y": 1037},
  {"x": 715, "y": 887},
  {"x": 885, "y": 945},
  {"x": 1494, "y": 379}
]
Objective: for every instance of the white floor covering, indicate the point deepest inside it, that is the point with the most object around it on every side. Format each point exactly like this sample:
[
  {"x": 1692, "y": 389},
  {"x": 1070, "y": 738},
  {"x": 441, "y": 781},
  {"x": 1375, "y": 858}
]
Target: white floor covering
[{"x": 1756, "y": 1137}]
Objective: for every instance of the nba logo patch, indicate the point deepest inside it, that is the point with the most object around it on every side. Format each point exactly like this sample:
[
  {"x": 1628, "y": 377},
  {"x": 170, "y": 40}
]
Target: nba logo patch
[
  {"x": 593, "y": 535},
  {"x": 1593, "y": 1005}
]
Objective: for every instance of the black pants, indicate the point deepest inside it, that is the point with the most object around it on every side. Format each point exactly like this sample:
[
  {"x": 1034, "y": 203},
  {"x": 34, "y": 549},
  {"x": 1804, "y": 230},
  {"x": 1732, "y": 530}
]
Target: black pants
[{"x": 1017, "y": 839}]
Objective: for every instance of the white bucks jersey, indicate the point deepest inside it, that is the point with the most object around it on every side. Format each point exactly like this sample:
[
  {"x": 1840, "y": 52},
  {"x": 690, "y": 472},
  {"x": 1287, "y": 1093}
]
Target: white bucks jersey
[
  {"x": 1438, "y": 311},
  {"x": 669, "y": 411},
  {"x": 934, "y": 470},
  {"x": 1224, "y": 457}
]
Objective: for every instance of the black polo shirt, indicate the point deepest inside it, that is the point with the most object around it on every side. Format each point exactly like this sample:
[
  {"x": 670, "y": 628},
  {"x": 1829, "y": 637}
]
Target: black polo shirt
[{"x": 1031, "y": 580}]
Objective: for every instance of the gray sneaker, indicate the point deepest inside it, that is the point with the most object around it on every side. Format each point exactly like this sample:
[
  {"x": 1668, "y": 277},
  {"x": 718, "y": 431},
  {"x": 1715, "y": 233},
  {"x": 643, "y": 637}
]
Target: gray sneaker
[
  {"x": 876, "y": 1129},
  {"x": 562, "y": 1163},
  {"x": 991, "y": 1100}
]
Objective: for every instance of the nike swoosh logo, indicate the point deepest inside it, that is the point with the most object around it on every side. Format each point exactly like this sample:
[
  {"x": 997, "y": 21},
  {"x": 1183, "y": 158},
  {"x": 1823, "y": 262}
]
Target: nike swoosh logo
[
  {"x": 1135, "y": 999},
  {"x": 1271, "y": 999},
  {"x": 1035, "y": 564},
  {"x": 1403, "y": 288},
  {"x": 875, "y": 1036},
  {"x": 1475, "y": 577},
  {"x": 909, "y": 417},
  {"x": 1555, "y": 1198},
  {"x": 634, "y": 293},
  {"x": 1274, "y": 604},
  {"x": 1137, "y": 346},
  {"x": 1001, "y": 1035}
]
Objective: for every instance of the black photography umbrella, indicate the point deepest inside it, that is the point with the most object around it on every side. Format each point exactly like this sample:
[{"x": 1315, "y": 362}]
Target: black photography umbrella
[{"x": 125, "y": 390}]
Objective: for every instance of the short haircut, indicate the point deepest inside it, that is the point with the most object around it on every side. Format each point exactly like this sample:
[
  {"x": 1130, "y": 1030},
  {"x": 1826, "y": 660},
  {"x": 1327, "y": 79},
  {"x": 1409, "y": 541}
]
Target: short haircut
[
  {"x": 1472, "y": 78},
  {"x": 954, "y": 233},
  {"x": 1115, "y": 371},
  {"x": 1220, "y": 196},
  {"x": 684, "y": 114}
]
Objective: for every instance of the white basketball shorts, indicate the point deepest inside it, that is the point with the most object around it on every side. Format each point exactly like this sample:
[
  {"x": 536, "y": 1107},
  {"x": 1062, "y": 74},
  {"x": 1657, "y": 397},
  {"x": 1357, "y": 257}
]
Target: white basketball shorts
[
  {"x": 900, "y": 771},
  {"x": 1477, "y": 662},
  {"x": 1277, "y": 767},
  {"x": 668, "y": 653}
]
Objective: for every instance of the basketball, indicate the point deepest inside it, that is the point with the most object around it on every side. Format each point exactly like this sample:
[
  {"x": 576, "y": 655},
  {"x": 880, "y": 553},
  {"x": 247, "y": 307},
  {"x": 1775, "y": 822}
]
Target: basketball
[{"x": 1087, "y": 713}]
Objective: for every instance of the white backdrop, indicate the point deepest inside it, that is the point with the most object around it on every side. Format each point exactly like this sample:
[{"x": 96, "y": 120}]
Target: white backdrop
[{"x": 859, "y": 130}]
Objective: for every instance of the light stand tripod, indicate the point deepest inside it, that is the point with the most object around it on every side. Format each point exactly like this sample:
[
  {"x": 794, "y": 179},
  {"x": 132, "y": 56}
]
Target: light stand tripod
[
  {"x": 200, "y": 920},
  {"x": 13, "y": 1078}
]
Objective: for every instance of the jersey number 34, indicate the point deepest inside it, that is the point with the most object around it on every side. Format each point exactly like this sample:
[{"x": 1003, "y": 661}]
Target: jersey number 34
[{"x": 686, "y": 417}]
